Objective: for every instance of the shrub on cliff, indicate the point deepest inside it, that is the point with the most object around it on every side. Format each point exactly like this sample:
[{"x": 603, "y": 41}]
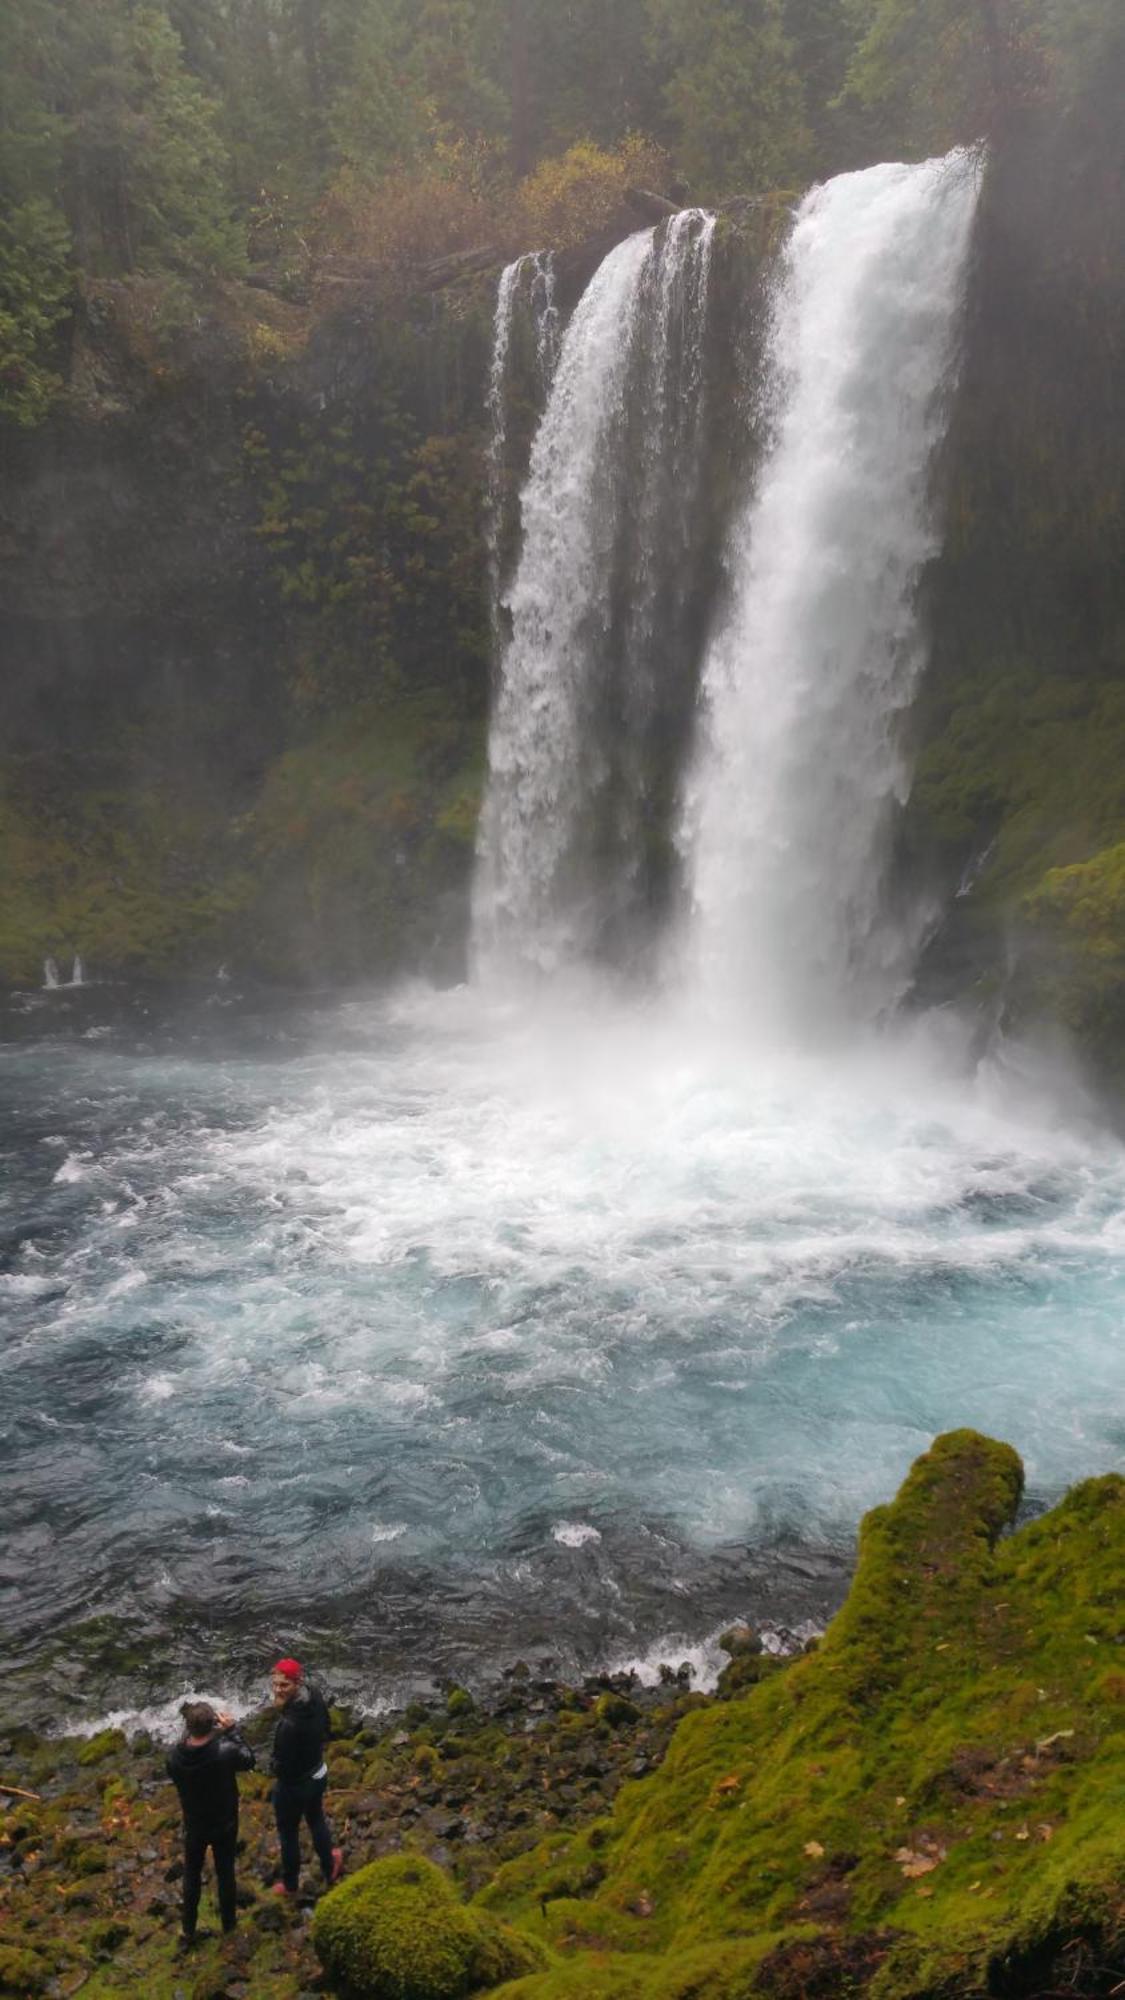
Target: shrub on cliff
[{"x": 396, "y": 1931}]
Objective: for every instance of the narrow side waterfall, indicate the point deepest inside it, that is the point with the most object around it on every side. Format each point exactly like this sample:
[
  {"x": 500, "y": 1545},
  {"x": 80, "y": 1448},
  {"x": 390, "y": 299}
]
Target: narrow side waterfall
[
  {"x": 528, "y": 282},
  {"x": 580, "y": 688},
  {"x": 800, "y": 764},
  {"x": 495, "y": 463}
]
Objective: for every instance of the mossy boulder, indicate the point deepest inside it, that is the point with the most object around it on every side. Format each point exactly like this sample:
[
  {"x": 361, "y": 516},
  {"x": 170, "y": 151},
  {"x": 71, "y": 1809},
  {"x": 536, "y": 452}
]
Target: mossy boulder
[
  {"x": 616, "y": 1710},
  {"x": 107, "y": 1743},
  {"x": 921, "y": 1807},
  {"x": 397, "y": 1931},
  {"x": 22, "y": 1972}
]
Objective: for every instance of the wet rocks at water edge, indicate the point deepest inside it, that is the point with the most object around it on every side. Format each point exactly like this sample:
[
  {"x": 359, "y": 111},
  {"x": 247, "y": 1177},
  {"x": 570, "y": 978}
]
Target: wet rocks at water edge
[{"x": 90, "y": 1842}]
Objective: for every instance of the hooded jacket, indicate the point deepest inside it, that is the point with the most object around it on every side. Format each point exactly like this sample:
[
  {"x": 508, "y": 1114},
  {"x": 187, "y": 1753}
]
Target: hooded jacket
[
  {"x": 302, "y": 1731},
  {"x": 206, "y": 1777}
]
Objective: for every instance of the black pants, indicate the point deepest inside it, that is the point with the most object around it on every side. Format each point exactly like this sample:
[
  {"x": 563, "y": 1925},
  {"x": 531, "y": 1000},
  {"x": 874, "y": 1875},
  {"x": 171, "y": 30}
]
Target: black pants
[
  {"x": 222, "y": 1840},
  {"x": 292, "y": 1804}
]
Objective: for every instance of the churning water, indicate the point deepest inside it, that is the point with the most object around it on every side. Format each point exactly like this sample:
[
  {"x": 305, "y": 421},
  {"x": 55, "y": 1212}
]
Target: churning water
[{"x": 427, "y": 1332}]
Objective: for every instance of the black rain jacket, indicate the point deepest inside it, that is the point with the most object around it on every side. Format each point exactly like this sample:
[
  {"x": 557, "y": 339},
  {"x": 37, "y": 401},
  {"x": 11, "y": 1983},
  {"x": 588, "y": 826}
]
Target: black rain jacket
[
  {"x": 206, "y": 1778},
  {"x": 302, "y": 1731}
]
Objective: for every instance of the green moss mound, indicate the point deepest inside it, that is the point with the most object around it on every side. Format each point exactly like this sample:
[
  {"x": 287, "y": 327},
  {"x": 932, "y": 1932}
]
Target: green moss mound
[
  {"x": 923, "y": 1806},
  {"x": 396, "y": 1931},
  {"x": 22, "y": 1972}
]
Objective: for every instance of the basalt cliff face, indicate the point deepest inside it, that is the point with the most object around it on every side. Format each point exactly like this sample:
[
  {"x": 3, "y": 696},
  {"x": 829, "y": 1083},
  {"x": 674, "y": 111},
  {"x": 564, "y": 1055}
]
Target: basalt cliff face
[{"x": 245, "y": 614}]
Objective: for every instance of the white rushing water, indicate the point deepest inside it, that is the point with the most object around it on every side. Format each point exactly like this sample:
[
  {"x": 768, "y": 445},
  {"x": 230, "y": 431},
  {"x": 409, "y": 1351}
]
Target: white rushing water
[
  {"x": 555, "y": 774},
  {"x": 801, "y": 760},
  {"x": 530, "y": 281},
  {"x": 495, "y": 465}
]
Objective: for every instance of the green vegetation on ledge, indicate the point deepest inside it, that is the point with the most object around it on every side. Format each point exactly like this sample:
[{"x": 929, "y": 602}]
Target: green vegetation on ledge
[{"x": 928, "y": 1804}]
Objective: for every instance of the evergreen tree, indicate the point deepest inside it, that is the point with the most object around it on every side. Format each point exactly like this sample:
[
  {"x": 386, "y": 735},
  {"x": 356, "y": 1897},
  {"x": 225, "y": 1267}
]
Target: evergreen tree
[
  {"x": 733, "y": 93},
  {"x": 932, "y": 73},
  {"x": 376, "y": 117},
  {"x": 144, "y": 168},
  {"x": 36, "y": 277}
]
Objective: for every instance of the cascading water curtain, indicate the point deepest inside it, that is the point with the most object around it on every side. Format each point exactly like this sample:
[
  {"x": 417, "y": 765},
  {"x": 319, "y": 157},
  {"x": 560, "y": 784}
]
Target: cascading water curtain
[
  {"x": 529, "y": 281},
  {"x": 612, "y": 463},
  {"x": 800, "y": 763}
]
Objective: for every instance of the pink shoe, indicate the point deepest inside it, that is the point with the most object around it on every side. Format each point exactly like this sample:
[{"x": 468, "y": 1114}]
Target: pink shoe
[
  {"x": 279, "y": 1889},
  {"x": 337, "y": 1865}
]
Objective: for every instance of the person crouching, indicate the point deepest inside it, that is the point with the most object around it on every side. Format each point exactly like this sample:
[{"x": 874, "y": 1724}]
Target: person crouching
[
  {"x": 300, "y": 1775},
  {"x": 204, "y": 1768}
]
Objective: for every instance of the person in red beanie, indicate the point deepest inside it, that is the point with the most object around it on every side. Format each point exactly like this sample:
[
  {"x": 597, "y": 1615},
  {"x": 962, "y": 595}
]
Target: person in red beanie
[{"x": 300, "y": 1775}]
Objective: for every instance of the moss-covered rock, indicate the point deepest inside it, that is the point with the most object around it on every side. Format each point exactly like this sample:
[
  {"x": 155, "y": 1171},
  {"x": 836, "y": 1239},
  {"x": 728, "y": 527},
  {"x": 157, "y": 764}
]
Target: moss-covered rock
[
  {"x": 919, "y": 1807},
  {"x": 397, "y": 1931},
  {"x": 22, "y": 1972},
  {"x": 107, "y": 1743}
]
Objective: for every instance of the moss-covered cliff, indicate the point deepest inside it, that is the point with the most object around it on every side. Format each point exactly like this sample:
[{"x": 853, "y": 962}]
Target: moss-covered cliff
[
  {"x": 242, "y": 583},
  {"x": 1018, "y": 807}
]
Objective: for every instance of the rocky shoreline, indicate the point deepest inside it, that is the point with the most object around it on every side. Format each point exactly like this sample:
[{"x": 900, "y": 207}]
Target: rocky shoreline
[{"x": 89, "y": 1827}]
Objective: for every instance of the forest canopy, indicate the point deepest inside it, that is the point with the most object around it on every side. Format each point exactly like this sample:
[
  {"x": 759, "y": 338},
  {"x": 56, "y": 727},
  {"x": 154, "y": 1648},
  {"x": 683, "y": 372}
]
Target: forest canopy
[{"x": 208, "y": 139}]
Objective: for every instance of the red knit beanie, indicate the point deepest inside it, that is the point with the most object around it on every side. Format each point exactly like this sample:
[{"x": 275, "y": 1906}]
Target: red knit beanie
[{"x": 292, "y": 1669}]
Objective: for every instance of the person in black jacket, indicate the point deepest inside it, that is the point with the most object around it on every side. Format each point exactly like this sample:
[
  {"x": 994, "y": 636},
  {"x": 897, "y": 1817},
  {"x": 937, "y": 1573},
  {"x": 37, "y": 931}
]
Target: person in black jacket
[
  {"x": 204, "y": 1768},
  {"x": 301, "y": 1775}
]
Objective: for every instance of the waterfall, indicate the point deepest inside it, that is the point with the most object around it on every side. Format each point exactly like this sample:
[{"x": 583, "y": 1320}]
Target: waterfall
[
  {"x": 496, "y": 462},
  {"x": 581, "y": 696},
  {"x": 530, "y": 280},
  {"x": 540, "y": 266},
  {"x": 800, "y": 763}
]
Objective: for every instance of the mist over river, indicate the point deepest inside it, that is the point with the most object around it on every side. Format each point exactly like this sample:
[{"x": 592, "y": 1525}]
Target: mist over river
[{"x": 426, "y": 1331}]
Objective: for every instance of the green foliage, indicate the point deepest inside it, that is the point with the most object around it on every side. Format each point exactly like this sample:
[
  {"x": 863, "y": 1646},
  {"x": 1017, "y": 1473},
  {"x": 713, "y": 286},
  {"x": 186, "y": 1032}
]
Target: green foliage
[
  {"x": 374, "y": 123},
  {"x": 1088, "y": 900},
  {"x": 35, "y": 295},
  {"x": 733, "y": 94},
  {"x": 35, "y": 275},
  {"x": 132, "y": 879},
  {"x": 359, "y": 832},
  {"x": 921, "y": 1799},
  {"x": 930, "y": 73},
  {"x": 396, "y": 1931},
  {"x": 373, "y": 537},
  {"x": 143, "y": 163}
]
